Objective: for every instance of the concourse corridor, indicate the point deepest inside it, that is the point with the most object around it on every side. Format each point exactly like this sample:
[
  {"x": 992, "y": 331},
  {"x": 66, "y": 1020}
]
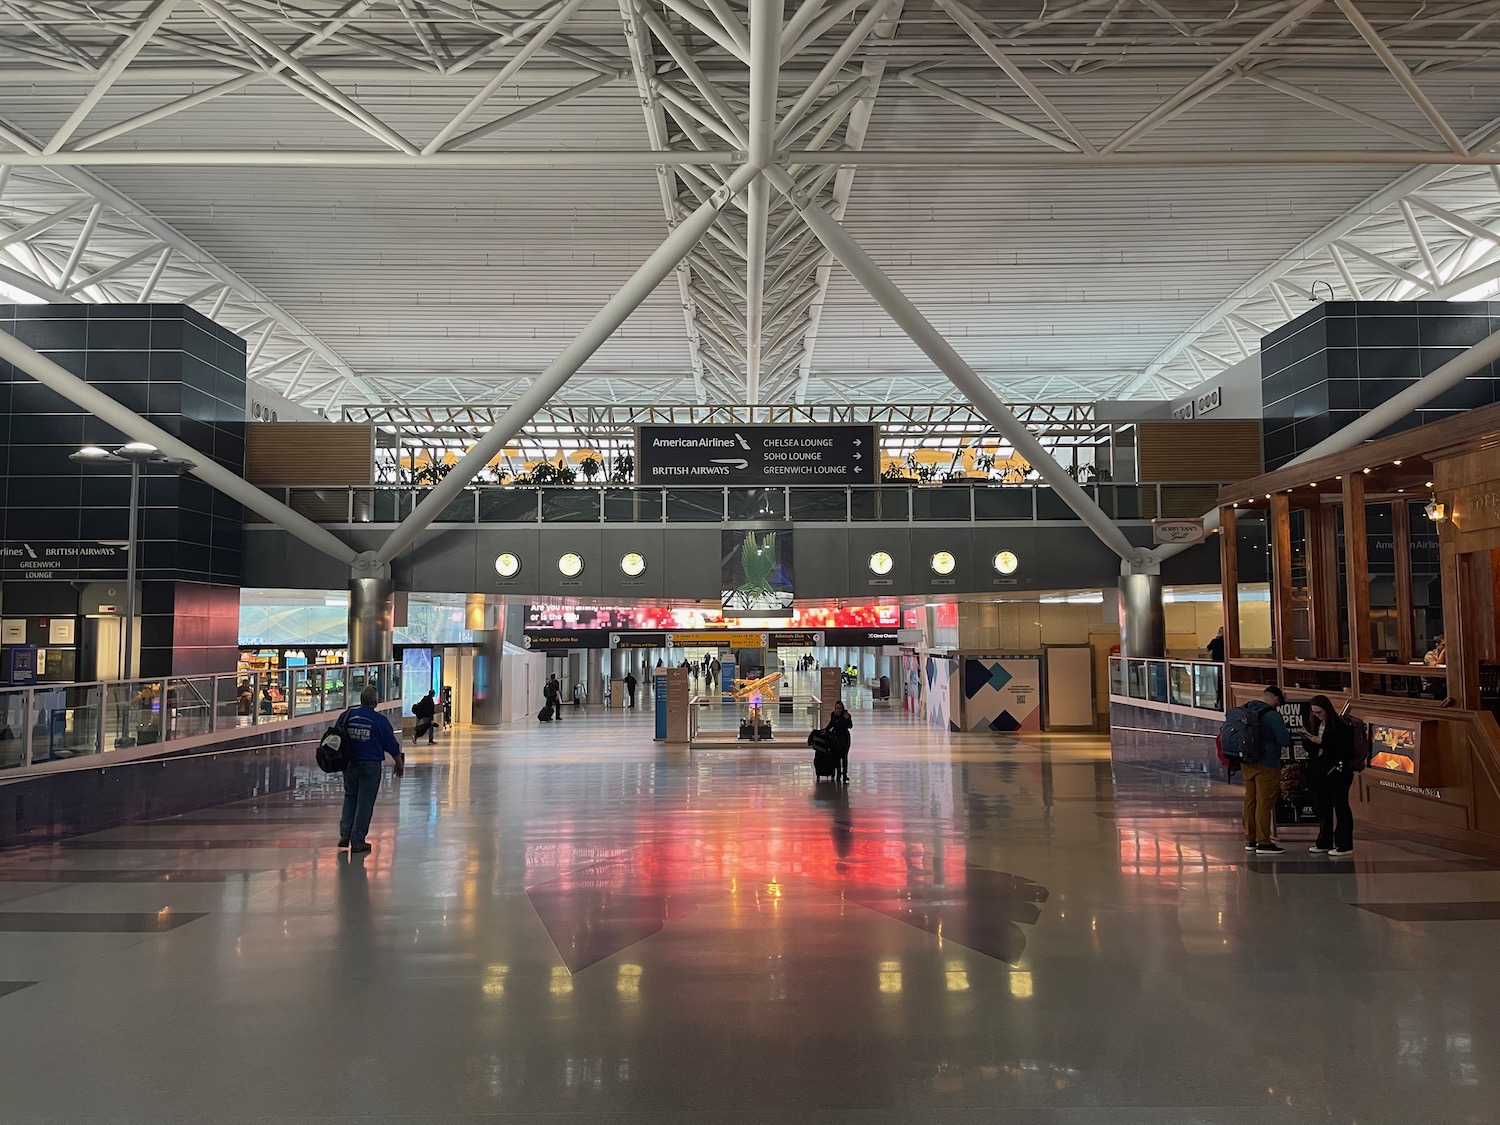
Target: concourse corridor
[{"x": 567, "y": 923}]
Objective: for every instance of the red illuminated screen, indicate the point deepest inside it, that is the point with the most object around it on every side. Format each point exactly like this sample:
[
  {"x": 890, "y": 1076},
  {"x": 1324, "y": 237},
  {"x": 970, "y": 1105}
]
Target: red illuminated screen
[{"x": 621, "y": 619}]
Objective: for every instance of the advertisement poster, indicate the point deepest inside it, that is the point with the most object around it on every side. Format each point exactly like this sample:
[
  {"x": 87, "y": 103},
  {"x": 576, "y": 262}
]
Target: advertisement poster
[
  {"x": 1295, "y": 805},
  {"x": 756, "y": 570},
  {"x": 1002, "y": 693}
]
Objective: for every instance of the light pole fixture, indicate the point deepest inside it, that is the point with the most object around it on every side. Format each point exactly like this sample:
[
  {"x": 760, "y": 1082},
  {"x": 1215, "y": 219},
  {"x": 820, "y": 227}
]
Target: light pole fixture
[{"x": 137, "y": 454}]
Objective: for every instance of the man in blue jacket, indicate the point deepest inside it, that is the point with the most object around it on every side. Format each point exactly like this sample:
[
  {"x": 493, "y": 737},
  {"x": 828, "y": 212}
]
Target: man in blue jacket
[
  {"x": 1262, "y": 773},
  {"x": 371, "y": 738}
]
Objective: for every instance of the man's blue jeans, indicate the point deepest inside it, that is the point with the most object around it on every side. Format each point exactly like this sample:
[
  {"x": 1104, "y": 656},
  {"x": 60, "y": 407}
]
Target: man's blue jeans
[{"x": 361, "y": 786}]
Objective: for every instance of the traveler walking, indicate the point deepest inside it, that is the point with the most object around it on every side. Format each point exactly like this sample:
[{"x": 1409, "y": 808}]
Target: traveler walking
[
  {"x": 630, "y": 685},
  {"x": 425, "y": 711},
  {"x": 1262, "y": 773},
  {"x": 553, "y": 694},
  {"x": 371, "y": 737},
  {"x": 1330, "y": 771}
]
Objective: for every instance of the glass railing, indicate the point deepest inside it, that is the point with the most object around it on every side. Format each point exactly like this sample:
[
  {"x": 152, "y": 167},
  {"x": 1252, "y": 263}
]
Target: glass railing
[
  {"x": 56, "y": 722},
  {"x": 1195, "y": 684},
  {"x": 945, "y": 502}
]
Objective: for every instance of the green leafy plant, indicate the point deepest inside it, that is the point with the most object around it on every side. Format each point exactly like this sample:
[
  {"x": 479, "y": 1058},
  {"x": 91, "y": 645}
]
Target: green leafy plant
[{"x": 757, "y": 562}]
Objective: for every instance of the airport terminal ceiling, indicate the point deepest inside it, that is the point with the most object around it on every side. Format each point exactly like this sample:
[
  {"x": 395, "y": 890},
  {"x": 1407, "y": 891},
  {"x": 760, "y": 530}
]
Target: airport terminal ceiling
[{"x": 424, "y": 201}]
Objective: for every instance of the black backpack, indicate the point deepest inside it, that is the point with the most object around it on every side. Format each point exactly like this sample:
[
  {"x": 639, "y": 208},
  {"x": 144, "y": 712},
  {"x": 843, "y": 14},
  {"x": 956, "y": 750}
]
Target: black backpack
[
  {"x": 334, "y": 752},
  {"x": 1361, "y": 748},
  {"x": 1240, "y": 734}
]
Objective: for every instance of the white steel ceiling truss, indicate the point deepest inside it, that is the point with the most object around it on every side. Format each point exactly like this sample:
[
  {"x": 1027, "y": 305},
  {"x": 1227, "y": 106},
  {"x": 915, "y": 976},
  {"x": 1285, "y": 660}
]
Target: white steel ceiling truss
[{"x": 1036, "y": 85}]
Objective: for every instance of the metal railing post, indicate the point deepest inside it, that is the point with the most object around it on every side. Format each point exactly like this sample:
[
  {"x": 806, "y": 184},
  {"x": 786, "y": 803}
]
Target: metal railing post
[
  {"x": 601, "y": 503},
  {"x": 27, "y": 723}
]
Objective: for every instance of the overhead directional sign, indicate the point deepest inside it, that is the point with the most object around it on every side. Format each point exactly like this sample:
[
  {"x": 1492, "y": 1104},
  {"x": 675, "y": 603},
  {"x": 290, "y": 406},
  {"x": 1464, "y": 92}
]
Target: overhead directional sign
[{"x": 756, "y": 455}]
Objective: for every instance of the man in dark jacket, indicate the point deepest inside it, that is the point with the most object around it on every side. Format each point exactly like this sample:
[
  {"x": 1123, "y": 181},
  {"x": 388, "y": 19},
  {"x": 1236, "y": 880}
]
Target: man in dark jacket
[
  {"x": 372, "y": 738},
  {"x": 552, "y": 693},
  {"x": 425, "y": 710},
  {"x": 1262, "y": 773},
  {"x": 630, "y": 685}
]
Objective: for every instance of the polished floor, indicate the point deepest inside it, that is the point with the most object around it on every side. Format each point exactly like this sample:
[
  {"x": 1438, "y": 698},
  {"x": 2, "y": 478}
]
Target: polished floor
[{"x": 567, "y": 924}]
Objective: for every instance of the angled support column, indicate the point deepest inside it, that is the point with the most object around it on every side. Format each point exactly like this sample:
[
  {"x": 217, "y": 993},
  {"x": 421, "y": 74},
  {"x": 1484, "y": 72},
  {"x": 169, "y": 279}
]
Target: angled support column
[
  {"x": 765, "y": 67},
  {"x": 640, "y": 286},
  {"x": 970, "y": 385},
  {"x": 133, "y": 426},
  {"x": 1387, "y": 414}
]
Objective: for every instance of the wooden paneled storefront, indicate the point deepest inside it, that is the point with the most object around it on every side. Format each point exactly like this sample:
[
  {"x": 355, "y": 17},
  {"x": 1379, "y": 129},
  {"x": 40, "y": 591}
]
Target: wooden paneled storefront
[{"x": 1384, "y": 596}]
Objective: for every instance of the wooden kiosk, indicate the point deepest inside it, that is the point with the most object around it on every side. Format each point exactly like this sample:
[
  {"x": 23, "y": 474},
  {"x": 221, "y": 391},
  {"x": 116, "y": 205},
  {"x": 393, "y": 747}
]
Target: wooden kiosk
[{"x": 1378, "y": 553}]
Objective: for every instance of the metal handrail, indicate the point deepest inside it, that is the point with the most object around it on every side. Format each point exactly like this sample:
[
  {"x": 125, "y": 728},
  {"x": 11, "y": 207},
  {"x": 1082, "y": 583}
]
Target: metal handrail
[
  {"x": 97, "y": 718},
  {"x": 894, "y": 502}
]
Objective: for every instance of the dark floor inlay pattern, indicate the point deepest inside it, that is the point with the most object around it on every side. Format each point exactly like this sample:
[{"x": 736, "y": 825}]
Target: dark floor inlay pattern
[
  {"x": 184, "y": 843},
  {"x": 63, "y": 922},
  {"x": 1435, "y": 911},
  {"x": 1326, "y": 866},
  {"x": 9, "y": 986},
  {"x": 129, "y": 875}
]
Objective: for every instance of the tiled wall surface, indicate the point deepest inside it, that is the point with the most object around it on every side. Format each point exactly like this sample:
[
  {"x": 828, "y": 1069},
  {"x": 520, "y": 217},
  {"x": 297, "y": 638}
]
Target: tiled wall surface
[
  {"x": 180, "y": 371},
  {"x": 1165, "y": 740},
  {"x": 53, "y": 806},
  {"x": 1342, "y": 358}
]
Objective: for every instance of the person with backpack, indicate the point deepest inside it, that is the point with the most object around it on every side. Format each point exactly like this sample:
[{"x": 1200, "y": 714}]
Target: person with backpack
[
  {"x": 1330, "y": 769},
  {"x": 371, "y": 738},
  {"x": 1256, "y": 735},
  {"x": 552, "y": 693},
  {"x": 425, "y": 712}
]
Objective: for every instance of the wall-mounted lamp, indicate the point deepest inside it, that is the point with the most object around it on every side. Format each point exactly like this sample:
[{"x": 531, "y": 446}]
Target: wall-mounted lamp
[{"x": 1436, "y": 510}]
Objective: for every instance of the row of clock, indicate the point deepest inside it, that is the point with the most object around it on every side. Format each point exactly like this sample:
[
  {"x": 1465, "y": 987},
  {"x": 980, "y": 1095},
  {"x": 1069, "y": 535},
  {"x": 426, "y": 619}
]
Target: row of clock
[
  {"x": 943, "y": 562},
  {"x": 570, "y": 565},
  {"x": 633, "y": 564}
]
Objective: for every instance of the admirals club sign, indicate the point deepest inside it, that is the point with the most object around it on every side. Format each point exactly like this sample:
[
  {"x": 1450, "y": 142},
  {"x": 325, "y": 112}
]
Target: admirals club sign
[{"x": 756, "y": 455}]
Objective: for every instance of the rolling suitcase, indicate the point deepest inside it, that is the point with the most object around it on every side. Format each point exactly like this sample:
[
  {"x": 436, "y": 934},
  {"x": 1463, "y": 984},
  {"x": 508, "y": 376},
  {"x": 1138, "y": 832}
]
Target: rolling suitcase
[
  {"x": 825, "y": 764},
  {"x": 545, "y": 714}
]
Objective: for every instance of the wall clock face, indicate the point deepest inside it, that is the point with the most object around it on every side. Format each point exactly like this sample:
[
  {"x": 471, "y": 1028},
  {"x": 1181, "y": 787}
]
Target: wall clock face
[
  {"x": 881, "y": 563},
  {"x": 943, "y": 562},
  {"x": 1006, "y": 562},
  {"x": 571, "y": 565},
  {"x": 633, "y": 564},
  {"x": 507, "y": 565}
]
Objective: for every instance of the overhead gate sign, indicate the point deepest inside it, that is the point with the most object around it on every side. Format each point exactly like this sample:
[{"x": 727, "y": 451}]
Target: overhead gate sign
[{"x": 757, "y": 455}]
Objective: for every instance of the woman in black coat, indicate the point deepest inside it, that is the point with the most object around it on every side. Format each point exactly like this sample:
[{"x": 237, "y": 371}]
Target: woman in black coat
[
  {"x": 1330, "y": 772},
  {"x": 840, "y": 723}
]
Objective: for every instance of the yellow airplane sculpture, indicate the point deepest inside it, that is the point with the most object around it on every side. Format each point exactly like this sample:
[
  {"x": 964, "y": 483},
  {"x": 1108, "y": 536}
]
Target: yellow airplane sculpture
[{"x": 747, "y": 689}]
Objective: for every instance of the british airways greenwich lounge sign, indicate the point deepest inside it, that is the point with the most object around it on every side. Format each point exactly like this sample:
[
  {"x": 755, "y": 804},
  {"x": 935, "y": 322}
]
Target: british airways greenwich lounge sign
[{"x": 757, "y": 455}]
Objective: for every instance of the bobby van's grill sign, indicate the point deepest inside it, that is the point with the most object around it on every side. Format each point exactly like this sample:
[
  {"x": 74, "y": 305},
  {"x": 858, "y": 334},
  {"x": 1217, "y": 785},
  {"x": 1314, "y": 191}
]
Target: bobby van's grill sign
[
  {"x": 33, "y": 559},
  {"x": 796, "y": 454}
]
